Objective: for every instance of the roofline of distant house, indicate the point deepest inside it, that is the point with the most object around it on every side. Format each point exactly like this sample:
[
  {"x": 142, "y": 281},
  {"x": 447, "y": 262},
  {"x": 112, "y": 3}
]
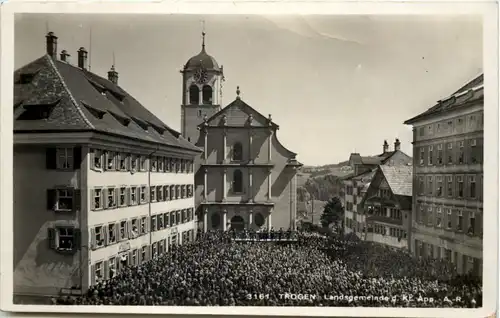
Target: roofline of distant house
[{"x": 109, "y": 134}]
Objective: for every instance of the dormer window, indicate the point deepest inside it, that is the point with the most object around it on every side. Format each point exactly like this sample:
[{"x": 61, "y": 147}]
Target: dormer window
[{"x": 237, "y": 153}]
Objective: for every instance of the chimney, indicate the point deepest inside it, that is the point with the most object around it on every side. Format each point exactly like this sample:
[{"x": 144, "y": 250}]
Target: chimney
[
  {"x": 64, "y": 56},
  {"x": 386, "y": 146},
  {"x": 113, "y": 75},
  {"x": 397, "y": 145},
  {"x": 82, "y": 58},
  {"x": 51, "y": 44}
]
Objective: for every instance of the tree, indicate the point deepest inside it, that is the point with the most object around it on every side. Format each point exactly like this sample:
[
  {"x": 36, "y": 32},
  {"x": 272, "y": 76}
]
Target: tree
[{"x": 332, "y": 212}]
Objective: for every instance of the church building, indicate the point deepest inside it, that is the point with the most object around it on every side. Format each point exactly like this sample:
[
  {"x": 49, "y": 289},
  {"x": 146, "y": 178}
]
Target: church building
[{"x": 245, "y": 178}]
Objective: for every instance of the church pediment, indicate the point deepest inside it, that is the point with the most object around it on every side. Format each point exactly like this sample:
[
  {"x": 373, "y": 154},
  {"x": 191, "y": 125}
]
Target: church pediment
[{"x": 239, "y": 114}]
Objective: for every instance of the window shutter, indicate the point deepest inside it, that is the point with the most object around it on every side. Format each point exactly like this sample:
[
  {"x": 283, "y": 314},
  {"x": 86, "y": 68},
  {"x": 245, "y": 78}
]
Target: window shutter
[
  {"x": 77, "y": 157},
  {"x": 51, "y": 199},
  {"x": 51, "y": 158},
  {"x": 78, "y": 239},
  {"x": 126, "y": 230},
  {"x": 92, "y": 238},
  {"x": 118, "y": 262},
  {"x": 129, "y": 229},
  {"x": 105, "y": 163},
  {"x": 117, "y": 160},
  {"x": 117, "y": 197},
  {"x": 105, "y": 198},
  {"x": 118, "y": 231},
  {"x": 92, "y": 199},
  {"x": 139, "y": 255},
  {"x": 106, "y": 270},
  {"x": 51, "y": 237},
  {"x": 148, "y": 194},
  {"x": 147, "y": 226},
  {"x": 105, "y": 230},
  {"x": 128, "y": 197},
  {"x": 92, "y": 274},
  {"x": 77, "y": 200},
  {"x": 138, "y": 195},
  {"x": 130, "y": 255}
]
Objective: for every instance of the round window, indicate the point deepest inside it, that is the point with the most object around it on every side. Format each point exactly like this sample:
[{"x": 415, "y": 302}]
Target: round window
[
  {"x": 259, "y": 219},
  {"x": 215, "y": 220}
]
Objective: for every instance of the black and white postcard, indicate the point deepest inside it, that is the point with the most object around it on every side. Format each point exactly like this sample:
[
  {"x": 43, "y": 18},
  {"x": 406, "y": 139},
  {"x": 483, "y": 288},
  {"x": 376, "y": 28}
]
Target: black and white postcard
[{"x": 196, "y": 159}]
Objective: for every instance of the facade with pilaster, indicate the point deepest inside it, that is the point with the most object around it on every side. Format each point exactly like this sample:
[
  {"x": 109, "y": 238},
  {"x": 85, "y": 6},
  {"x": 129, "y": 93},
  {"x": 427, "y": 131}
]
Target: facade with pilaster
[
  {"x": 245, "y": 177},
  {"x": 448, "y": 179},
  {"x": 99, "y": 182}
]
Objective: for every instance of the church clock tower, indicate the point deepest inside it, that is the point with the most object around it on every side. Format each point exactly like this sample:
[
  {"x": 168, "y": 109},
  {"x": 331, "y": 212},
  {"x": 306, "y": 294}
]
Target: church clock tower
[{"x": 201, "y": 92}]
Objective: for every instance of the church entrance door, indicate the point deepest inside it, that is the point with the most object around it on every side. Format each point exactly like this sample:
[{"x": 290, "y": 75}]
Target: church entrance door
[{"x": 237, "y": 223}]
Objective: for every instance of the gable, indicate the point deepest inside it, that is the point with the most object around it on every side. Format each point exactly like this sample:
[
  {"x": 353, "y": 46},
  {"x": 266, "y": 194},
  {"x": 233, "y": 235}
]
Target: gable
[
  {"x": 383, "y": 184},
  {"x": 239, "y": 114},
  {"x": 398, "y": 158}
]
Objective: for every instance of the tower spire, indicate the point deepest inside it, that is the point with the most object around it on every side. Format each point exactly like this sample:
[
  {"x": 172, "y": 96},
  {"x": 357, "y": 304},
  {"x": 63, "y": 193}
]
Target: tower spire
[{"x": 203, "y": 36}]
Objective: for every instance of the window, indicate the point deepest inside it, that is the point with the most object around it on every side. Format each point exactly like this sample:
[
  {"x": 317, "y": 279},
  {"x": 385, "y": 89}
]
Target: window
[
  {"x": 61, "y": 200},
  {"x": 190, "y": 191},
  {"x": 430, "y": 186},
  {"x": 194, "y": 95},
  {"x": 159, "y": 218},
  {"x": 460, "y": 221},
  {"x": 166, "y": 190},
  {"x": 472, "y": 223},
  {"x": 172, "y": 165},
  {"x": 172, "y": 218},
  {"x": 472, "y": 121},
  {"x": 440, "y": 154},
  {"x": 439, "y": 186},
  {"x": 142, "y": 161},
  {"x": 144, "y": 254},
  {"x": 135, "y": 228},
  {"x": 449, "y": 188},
  {"x": 111, "y": 267},
  {"x": 438, "y": 217},
  {"x": 110, "y": 160},
  {"x": 153, "y": 193},
  {"x": 460, "y": 152},
  {"x": 178, "y": 217},
  {"x": 430, "y": 129},
  {"x": 431, "y": 153},
  {"x": 473, "y": 151},
  {"x": 154, "y": 164},
  {"x": 111, "y": 198},
  {"x": 183, "y": 191},
  {"x": 63, "y": 238},
  {"x": 133, "y": 196},
  {"x": 123, "y": 230},
  {"x": 64, "y": 158},
  {"x": 167, "y": 164},
  {"x": 421, "y": 131},
  {"x": 98, "y": 199},
  {"x": 460, "y": 121},
  {"x": 177, "y": 191},
  {"x": 134, "y": 257},
  {"x": 450, "y": 153},
  {"x": 159, "y": 193},
  {"x": 422, "y": 154},
  {"x": 207, "y": 95},
  {"x": 99, "y": 236},
  {"x": 123, "y": 161},
  {"x": 183, "y": 165},
  {"x": 143, "y": 226},
  {"x": 97, "y": 163},
  {"x": 172, "y": 192},
  {"x": 450, "y": 125},
  {"x": 472, "y": 187},
  {"x": 421, "y": 185},
  {"x": 237, "y": 154},
  {"x": 123, "y": 196},
  {"x": 111, "y": 233},
  {"x": 237, "y": 181},
  {"x": 460, "y": 183},
  {"x": 153, "y": 223},
  {"x": 99, "y": 271},
  {"x": 448, "y": 218},
  {"x": 143, "y": 194},
  {"x": 154, "y": 249},
  {"x": 430, "y": 220},
  {"x": 438, "y": 127},
  {"x": 161, "y": 164},
  {"x": 177, "y": 166},
  {"x": 133, "y": 163}
]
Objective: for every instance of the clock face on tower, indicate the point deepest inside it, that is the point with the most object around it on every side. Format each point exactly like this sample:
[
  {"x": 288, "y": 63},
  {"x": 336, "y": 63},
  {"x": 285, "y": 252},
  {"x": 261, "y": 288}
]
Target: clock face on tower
[{"x": 201, "y": 76}]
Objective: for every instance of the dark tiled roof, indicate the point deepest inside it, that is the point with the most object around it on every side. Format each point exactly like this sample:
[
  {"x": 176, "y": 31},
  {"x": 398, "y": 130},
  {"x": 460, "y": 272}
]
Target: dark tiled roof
[
  {"x": 468, "y": 94},
  {"x": 202, "y": 60},
  {"x": 85, "y": 101},
  {"x": 399, "y": 179},
  {"x": 369, "y": 161}
]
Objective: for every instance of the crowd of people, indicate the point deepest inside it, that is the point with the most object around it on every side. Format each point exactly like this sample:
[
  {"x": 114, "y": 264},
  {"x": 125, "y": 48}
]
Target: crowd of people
[{"x": 216, "y": 270}]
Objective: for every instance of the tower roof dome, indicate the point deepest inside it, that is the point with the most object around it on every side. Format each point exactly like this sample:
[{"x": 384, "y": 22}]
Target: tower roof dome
[{"x": 202, "y": 59}]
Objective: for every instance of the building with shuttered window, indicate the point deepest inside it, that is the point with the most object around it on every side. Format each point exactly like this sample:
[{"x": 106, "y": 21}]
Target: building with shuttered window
[
  {"x": 448, "y": 179},
  {"x": 99, "y": 181}
]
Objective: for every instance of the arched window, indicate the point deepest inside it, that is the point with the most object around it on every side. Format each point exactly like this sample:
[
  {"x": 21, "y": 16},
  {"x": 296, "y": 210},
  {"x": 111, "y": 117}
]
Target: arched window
[
  {"x": 259, "y": 219},
  {"x": 215, "y": 218},
  {"x": 237, "y": 154},
  {"x": 207, "y": 94},
  {"x": 237, "y": 181},
  {"x": 194, "y": 95},
  {"x": 237, "y": 223}
]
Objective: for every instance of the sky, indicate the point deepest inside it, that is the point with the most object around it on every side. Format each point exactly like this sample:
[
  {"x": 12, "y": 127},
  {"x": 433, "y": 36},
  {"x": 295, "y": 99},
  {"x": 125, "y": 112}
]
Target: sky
[{"x": 334, "y": 84}]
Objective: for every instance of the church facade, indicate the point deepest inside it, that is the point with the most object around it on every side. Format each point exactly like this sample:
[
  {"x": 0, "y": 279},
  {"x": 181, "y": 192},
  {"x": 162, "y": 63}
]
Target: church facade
[{"x": 245, "y": 178}]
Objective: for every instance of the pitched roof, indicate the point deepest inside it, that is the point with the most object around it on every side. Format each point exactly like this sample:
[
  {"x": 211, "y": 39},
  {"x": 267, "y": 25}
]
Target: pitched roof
[
  {"x": 370, "y": 160},
  {"x": 470, "y": 93},
  {"x": 72, "y": 98},
  {"x": 399, "y": 179}
]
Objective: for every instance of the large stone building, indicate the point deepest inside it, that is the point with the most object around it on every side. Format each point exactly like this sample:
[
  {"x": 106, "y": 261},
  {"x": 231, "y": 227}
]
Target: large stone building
[
  {"x": 245, "y": 177},
  {"x": 99, "y": 181},
  {"x": 448, "y": 179},
  {"x": 356, "y": 183}
]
